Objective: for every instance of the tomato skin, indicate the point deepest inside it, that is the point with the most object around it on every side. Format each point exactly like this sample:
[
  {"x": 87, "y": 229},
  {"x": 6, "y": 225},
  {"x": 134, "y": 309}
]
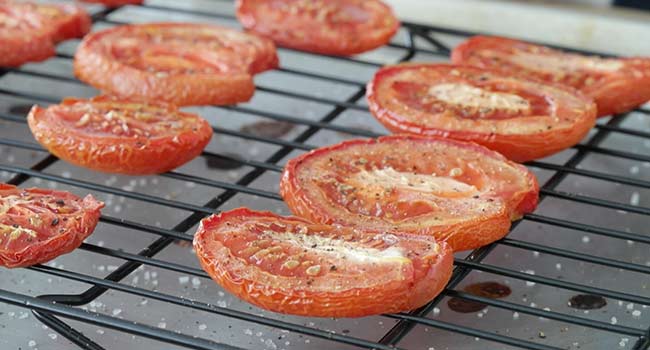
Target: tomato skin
[
  {"x": 94, "y": 62},
  {"x": 30, "y": 42},
  {"x": 555, "y": 133},
  {"x": 325, "y": 38},
  {"x": 614, "y": 92},
  {"x": 112, "y": 154},
  {"x": 317, "y": 296},
  {"x": 67, "y": 20},
  {"x": 77, "y": 228},
  {"x": 470, "y": 233},
  {"x": 76, "y": 23},
  {"x": 39, "y": 27}
]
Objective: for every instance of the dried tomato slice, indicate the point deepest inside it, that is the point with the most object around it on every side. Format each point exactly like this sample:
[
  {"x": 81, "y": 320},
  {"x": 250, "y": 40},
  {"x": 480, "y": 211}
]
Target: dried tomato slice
[
  {"x": 38, "y": 225},
  {"x": 616, "y": 84},
  {"x": 289, "y": 265},
  {"x": 520, "y": 118},
  {"x": 456, "y": 191},
  {"x": 332, "y": 27},
  {"x": 180, "y": 63},
  {"x": 120, "y": 136}
]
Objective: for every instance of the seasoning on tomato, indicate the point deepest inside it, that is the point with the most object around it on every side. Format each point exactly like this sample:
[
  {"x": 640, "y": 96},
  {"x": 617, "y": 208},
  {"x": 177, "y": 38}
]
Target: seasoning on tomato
[
  {"x": 23, "y": 37},
  {"x": 333, "y": 27},
  {"x": 289, "y": 265},
  {"x": 180, "y": 63},
  {"x": 616, "y": 84},
  {"x": 456, "y": 191},
  {"x": 38, "y": 225},
  {"x": 120, "y": 136},
  {"x": 522, "y": 119}
]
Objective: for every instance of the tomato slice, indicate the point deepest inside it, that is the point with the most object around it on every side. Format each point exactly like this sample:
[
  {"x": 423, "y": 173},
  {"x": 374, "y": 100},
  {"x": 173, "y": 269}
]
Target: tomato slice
[
  {"x": 333, "y": 27},
  {"x": 28, "y": 31},
  {"x": 66, "y": 20},
  {"x": 616, "y": 84},
  {"x": 522, "y": 119},
  {"x": 120, "y": 136},
  {"x": 456, "y": 191},
  {"x": 292, "y": 266},
  {"x": 23, "y": 37},
  {"x": 180, "y": 63},
  {"x": 38, "y": 225}
]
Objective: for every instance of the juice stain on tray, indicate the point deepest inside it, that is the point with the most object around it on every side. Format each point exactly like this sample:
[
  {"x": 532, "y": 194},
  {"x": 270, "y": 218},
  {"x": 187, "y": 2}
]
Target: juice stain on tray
[
  {"x": 222, "y": 163},
  {"x": 587, "y": 302},
  {"x": 270, "y": 129},
  {"x": 492, "y": 290}
]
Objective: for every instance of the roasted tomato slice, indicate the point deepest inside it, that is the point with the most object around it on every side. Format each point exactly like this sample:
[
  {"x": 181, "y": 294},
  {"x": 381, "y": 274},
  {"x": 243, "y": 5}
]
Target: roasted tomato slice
[
  {"x": 616, "y": 84},
  {"x": 456, "y": 191},
  {"x": 39, "y": 225},
  {"x": 67, "y": 21},
  {"x": 332, "y": 27},
  {"x": 180, "y": 63},
  {"x": 521, "y": 119},
  {"x": 289, "y": 265},
  {"x": 120, "y": 136},
  {"x": 24, "y": 37}
]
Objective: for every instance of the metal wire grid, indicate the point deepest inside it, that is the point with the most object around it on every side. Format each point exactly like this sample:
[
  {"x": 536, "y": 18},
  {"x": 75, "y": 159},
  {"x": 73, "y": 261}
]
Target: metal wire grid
[{"x": 48, "y": 308}]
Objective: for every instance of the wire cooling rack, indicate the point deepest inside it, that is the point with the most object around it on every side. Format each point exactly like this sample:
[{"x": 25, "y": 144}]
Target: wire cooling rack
[{"x": 135, "y": 282}]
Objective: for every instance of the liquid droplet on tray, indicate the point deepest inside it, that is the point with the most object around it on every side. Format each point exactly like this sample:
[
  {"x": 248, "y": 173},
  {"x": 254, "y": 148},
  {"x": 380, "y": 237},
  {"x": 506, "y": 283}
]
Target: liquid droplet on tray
[
  {"x": 492, "y": 290},
  {"x": 587, "y": 302}
]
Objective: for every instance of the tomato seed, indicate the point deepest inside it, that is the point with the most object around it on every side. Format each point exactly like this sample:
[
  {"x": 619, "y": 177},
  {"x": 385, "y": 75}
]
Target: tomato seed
[
  {"x": 262, "y": 243},
  {"x": 249, "y": 251},
  {"x": 261, "y": 254},
  {"x": 456, "y": 172},
  {"x": 290, "y": 264},
  {"x": 313, "y": 270},
  {"x": 275, "y": 257}
]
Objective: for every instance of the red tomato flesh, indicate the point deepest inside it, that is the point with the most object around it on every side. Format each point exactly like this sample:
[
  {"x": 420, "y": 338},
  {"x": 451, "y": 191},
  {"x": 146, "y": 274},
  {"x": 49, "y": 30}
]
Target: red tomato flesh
[
  {"x": 38, "y": 225},
  {"x": 24, "y": 37},
  {"x": 66, "y": 21},
  {"x": 333, "y": 27},
  {"x": 180, "y": 63},
  {"x": 521, "y": 119},
  {"x": 289, "y": 265},
  {"x": 120, "y": 136},
  {"x": 456, "y": 191},
  {"x": 617, "y": 85}
]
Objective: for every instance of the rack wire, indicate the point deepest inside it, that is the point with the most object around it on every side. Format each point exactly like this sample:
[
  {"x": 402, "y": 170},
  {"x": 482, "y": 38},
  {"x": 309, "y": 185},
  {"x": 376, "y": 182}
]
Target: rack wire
[{"x": 57, "y": 310}]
